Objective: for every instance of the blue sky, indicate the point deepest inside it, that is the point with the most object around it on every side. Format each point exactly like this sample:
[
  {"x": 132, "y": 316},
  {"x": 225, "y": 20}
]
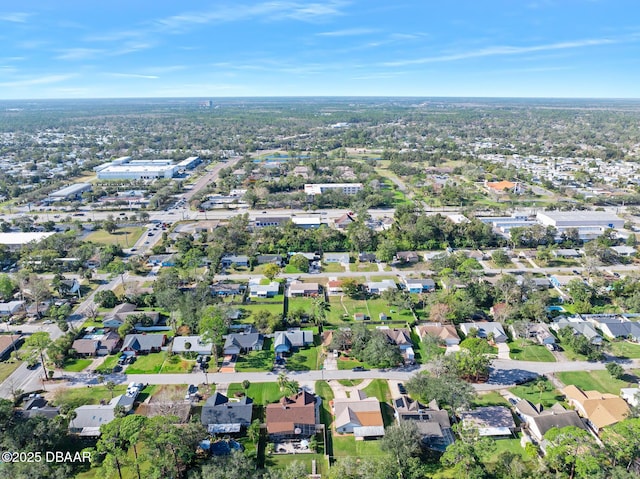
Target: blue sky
[{"x": 167, "y": 48}]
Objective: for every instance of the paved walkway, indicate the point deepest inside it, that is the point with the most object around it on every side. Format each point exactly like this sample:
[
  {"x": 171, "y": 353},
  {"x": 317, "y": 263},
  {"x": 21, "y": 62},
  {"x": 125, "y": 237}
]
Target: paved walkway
[{"x": 342, "y": 391}]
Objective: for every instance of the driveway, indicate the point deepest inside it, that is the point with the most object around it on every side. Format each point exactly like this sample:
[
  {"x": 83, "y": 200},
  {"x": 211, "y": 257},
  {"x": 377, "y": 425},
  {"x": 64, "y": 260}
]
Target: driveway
[{"x": 503, "y": 351}]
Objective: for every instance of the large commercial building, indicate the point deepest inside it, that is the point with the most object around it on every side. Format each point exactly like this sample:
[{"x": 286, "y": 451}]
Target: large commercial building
[
  {"x": 125, "y": 168},
  {"x": 320, "y": 188},
  {"x": 577, "y": 219},
  {"x": 72, "y": 192}
]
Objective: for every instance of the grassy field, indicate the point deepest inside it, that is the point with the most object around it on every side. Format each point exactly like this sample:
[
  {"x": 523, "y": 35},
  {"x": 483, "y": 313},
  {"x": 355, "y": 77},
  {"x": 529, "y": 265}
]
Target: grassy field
[
  {"x": 295, "y": 304},
  {"x": 365, "y": 267},
  {"x": 548, "y": 397},
  {"x": 108, "y": 364},
  {"x": 257, "y": 361},
  {"x": 261, "y": 393},
  {"x": 305, "y": 359},
  {"x": 597, "y": 380},
  {"x": 76, "y": 397},
  {"x": 625, "y": 349},
  {"x": 379, "y": 388},
  {"x": 125, "y": 237},
  {"x": 343, "y": 308},
  {"x": 527, "y": 351},
  {"x": 76, "y": 365},
  {"x": 350, "y": 382},
  {"x": 281, "y": 461},
  {"x": 7, "y": 368},
  {"x": 251, "y": 309},
  {"x": 332, "y": 268},
  {"x": 155, "y": 363},
  {"x": 347, "y": 446},
  {"x": 492, "y": 398}
]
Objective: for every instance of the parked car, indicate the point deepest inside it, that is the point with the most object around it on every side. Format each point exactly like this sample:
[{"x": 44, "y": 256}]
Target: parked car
[
  {"x": 358, "y": 368},
  {"x": 402, "y": 389}
]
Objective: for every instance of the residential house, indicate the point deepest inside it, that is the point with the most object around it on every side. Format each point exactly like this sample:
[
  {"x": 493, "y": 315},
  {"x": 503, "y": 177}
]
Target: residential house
[
  {"x": 566, "y": 253},
  {"x": 444, "y": 332},
  {"x": 334, "y": 287},
  {"x": 143, "y": 343},
  {"x": 120, "y": 313},
  {"x": 223, "y": 416},
  {"x": 367, "y": 258},
  {"x": 276, "y": 259},
  {"x": 299, "y": 289},
  {"x": 504, "y": 186},
  {"x": 11, "y": 308},
  {"x": 419, "y": 285},
  {"x": 358, "y": 415},
  {"x": 96, "y": 345},
  {"x": 540, "y": 420},
  {"x": 344, "y": 221},
  {"x": 360, "y": 317},
  {"x": 541, "y": 333},
  {"x": 237, "y": 343},
  {"x": 599, "y": 409},
  {"x": 310, "y": 256},
  {"x": 485, "y": 329},
  {"x": 490, "y": 421},
  {"x": 164, "y": 260},
  {"x": 341, "y": 258},
  {"x": 377, "y": 287},
  {"x": 613, "y": 326},
  {"x": 241, "y": 260},
  {"x": 631, "y": 395},
  {"x": 432, "y": 422},
  {"x": 624, "y": 250},
  {"x": 257, "y": 290},
  {"x": 407, "y": 256},
  {"x": 88, "y": 419},
  {"x": 191, "y": 344},
  {"x": 227, "y": 289},
  {"x": 307, "y": 222},
  {"x": 292, "y": 339},
  {"x": 293, "y": 417},
  {"x": 8, "y": 344},
  {"x": 36, "y": 405},
  {"x": 579, "y": 326},
  {"x": 401, "y": 337}
]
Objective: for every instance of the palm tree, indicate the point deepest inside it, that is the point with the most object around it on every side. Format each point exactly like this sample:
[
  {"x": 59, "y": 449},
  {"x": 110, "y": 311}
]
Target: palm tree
[{"x": 283, "y": 381}]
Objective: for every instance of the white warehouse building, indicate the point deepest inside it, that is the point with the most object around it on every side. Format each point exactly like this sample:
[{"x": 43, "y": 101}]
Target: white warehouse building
[
  {"x": 320, "y": 188},
  {"x": 576, "y": 219},
  {"x": 125, "y": 168}
]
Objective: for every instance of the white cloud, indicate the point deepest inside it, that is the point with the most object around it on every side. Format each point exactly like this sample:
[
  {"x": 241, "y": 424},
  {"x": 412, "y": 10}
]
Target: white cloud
[
  {"x": 133, "y": 75},
  {"x": 43, "y": 80},
  {"x": 502, "y": 50},
  {"x": 348, "y": 32},
  {"x": 15, "y": 17},
  {"x": 79, "y": 54}
]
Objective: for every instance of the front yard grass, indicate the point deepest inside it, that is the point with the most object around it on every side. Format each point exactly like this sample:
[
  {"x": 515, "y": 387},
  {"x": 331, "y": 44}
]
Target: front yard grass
[
  {"x": 366, "y": 267},
  {"x": 596, "y": 380},
  {"x": 76, "y": 365},
  {"x": 379, "y": 388},
  {"x": 548, "y": 397},
  {"x": 305, "y": 359},
  {"x": 125, "y": 237},
  {"x": 76, "y": 397},
  {"x": 625, "y": 349},
  {"x": 257, "y": 361},
  {"x": 155, "y": 363},
  {"x": 261, "y": 393},
  {"x": 108, "y": 364},
  {"x": 492, "y": 398},
  {"x": 347, "y": 446},
  {"x": 528, "y": 351},
  {"x": 7, "y": 368},
  {"x": 332, "y": 268}
]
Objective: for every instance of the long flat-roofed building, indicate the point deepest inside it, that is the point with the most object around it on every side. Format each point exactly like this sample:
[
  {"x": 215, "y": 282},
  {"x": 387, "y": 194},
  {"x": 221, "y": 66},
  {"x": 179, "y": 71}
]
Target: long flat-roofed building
[
  {"x": 70, "y": 192},
  {"x": 576, "y": 219},
  {"x": 320, "y": 188}
]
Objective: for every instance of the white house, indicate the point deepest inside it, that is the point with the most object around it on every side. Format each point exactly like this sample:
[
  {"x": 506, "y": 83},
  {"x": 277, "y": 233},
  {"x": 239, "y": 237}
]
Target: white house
[{"x": 193, "y": 344}]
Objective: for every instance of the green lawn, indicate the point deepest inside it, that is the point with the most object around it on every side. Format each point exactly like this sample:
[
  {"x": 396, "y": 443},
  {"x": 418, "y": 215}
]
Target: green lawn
[
  {"x": 261, "y": 393},
  {"x": 379, "y": 388},
  {"x": 625, "y": 349},
  {"x": 492, "y": 398},
  {"x": 7, "y": 368},
  {"x": 76, "y": 365},
  {"x": 177, "y": 364},
  {"x": 295, "y": 304},
  {"x": 548, "y": 397},
  {"x": 596, "y": 380},
  {"x": 305, "y": 359},
  {"x": 277, "y": 299},
  {"x": 290, "y": 269},
  {"x": 366, "y": 267},
  {"x": 377, "y": 306},
  {"x": 348, "y": 446},
  {"x": 155, "y": 363},
  {"x": 326, "y": 394},
  {"x": 76, "y": 397},
  {"x": 125, "y": 237},
  {"x": 108, "y": 364},
  {"x": 343, "y": 308},
  {"x": 527, "y": 351},
  {"x": 281, "y": 461},
  {"x": 257, "y": 361},
  {"x": 251, "y": 309},
  {"x": 332, "y": 268},
  {"x": 350, "y": 382}
]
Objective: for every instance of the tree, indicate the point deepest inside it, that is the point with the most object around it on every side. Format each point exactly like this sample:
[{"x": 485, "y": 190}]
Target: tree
[
  {"x": 350, "y": 287},
  {"x": 446, "y": 390},
  {"x": 106, "y": 298},
  {"x": 271, "y": 270},
  {"x": 213, "y": 324},
  {"x": 253, "y": 431},
  {"x": 402, "y": 441},
  {"x": 237, "y": 465},
  {"x": 341, "y": 340},
  {"x": 379, "y": 353},
  {"x": 39, "y": 342},
  {"x": 110, "y": 385},
  {"x": 246, "y": 384},
  {"x": 109, "y": 224},
  {"x": 7, "y": 287},
  {"x": 622, "y": 441},
  {"x": 500, "y": 258},
  {"x": 615, "y": 370},
  {"x": 439, "y": 312},
  {"x": 300, "y": 262},
  {"x": 573, "y": 451}
]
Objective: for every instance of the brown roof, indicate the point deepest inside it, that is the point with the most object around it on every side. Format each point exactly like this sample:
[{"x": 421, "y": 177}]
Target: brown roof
[
  {"x": 6, "y": 341},
  {"x": 442, "y": 331},
  {"x": 290, "y": 411},
  {"x": 85, "y": 346},
  {"x": 334, "y": 283},
  {"x": 602, "y": 409},
  {"x": 357, "y": 410},
  {"x": 501, "y": 185}
]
